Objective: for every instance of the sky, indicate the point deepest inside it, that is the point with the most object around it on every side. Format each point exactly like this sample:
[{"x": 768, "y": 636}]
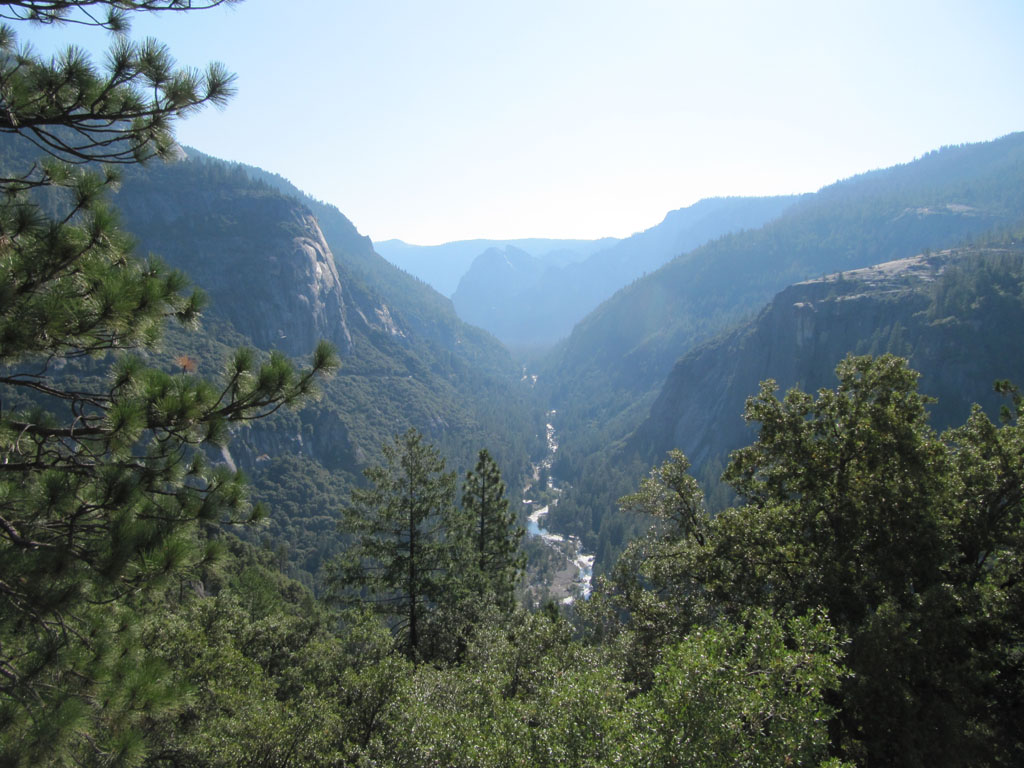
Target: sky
[{"x": 441, "y": 121}]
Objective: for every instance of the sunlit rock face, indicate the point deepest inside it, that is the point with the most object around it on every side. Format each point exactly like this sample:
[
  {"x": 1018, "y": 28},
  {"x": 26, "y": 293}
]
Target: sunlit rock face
[
  {"x": 260, "y": 257},
  {"x": 300, "y": 290}
]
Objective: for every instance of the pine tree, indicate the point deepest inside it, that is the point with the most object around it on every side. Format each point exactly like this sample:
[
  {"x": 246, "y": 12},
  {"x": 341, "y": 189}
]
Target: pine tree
[
  {"x": 104, "y": 482},
  {"x": 402, "y": 555},
  {"x": 494, "y": 536}
]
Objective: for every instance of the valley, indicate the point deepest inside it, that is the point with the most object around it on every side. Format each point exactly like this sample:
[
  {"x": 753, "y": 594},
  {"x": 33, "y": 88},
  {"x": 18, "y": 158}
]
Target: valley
[
  {"x": 744, "y": 488},
  {"x": 409, "y": 359},
  {"x": 570, "y": 577}
]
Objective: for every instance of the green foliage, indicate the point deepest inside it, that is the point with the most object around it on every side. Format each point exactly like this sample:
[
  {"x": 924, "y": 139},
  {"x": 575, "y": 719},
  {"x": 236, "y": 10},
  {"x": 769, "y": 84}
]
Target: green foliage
[
  {"x": 525, "y": 697},
  {"x": 859, "y": 473},
  {"x": 400, "y": 559},
  {"x": 304, "y": 502},
  {"x": 494, "y": 537},
  {"x": 734, "y": 695},
  {"x": 105, "y": 486},
  {"x": 670, "y": 494},
  {"x": 427, "y": 566},
  {"x": 73, "y": 112},
  {"x": 910, "y": 544},
  {"x": 256, "y": 666},
  {"x": 112, "y": 15},
  {"x": 234, "y": 713},
  {"x": 530, "y": 695}
]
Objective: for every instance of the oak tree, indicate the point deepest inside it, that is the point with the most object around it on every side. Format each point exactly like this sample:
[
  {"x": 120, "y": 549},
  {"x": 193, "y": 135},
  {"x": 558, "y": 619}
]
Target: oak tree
[{"x": 909, "y": 541}]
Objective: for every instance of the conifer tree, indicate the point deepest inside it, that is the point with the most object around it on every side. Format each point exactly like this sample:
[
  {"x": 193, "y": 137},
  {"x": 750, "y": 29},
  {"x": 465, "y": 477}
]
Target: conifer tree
[
  {"x": 494, "y": 536},
  {"x": 104, "y": 479},
  {"x": 402, "y": 554}
]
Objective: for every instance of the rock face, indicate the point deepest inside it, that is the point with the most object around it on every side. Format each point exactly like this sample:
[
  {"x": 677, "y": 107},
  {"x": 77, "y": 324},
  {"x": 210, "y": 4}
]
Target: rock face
[
  {"x": 283, "y": 271},
  {"x": 311, "y": 306},
  {"x": 493, "y": 293},
  {"x": 623, "y": 351},
  {"x": 261, "y": 258},
  {"x": 798, "y": 339}
]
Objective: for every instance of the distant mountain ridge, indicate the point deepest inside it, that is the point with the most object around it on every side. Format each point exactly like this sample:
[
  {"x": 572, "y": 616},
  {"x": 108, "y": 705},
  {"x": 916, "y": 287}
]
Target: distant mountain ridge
[
  {"x": 532, "y": 303},
  {"x": 625, "y": 348},
  {"x": 442, "y": 266}
]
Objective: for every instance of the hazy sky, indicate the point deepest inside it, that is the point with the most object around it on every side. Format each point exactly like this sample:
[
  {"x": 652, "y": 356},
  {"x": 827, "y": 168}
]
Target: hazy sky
[{"x": 437, "y": 121}]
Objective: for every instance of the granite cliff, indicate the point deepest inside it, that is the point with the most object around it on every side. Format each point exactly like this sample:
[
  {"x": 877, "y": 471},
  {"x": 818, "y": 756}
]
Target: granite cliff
[
  {"x": 955, "y": 314},
  {"x": 283, "y": 271},
  {"x": 261, "y": 258}
]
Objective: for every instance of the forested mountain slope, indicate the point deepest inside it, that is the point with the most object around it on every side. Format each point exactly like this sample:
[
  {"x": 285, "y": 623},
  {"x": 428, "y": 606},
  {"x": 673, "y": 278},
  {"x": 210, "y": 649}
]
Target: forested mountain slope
[
  {"x": 957, "y": 315},
  {"x": 280, "y": 277},
  {"x": 621, "y": 353},
  {"x": 529, "y": 302},
  {"x": 429, "y": 313},
  {"x": 604, "y": 379}
]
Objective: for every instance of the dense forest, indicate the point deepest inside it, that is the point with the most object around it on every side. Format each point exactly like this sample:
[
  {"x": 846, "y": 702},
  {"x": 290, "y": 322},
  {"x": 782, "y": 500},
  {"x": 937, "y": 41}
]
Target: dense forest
[{"x": 852, "y": 595}]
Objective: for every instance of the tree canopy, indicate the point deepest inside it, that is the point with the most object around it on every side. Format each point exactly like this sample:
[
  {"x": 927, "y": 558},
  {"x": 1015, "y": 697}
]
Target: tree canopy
[
  {"x": 107, "y": 485},
  {"x": 494, "y": 536},
  {"x": 433, "y": 569},
  {"x": 401, "y": 554},
  {"x": 908, "y": 541},
  {"x": 113, "y": 15}
]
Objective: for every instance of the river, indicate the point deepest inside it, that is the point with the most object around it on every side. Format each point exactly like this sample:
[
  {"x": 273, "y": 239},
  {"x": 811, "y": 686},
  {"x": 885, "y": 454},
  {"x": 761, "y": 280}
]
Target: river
[{"x": 569, "y": 547}]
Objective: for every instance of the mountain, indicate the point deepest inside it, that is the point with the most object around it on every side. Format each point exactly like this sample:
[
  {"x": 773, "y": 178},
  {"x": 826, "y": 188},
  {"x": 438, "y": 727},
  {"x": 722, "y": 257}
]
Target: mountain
[
  {"x": 604, "y": 379},
  {"x": 442, "y": 266},
  {"x": 956, "y": 315},
  {"x": 430, "y": 314},
  {"x": 283, "y": 271},
  {"x": 622, "y": 352},
  {"x": 533, "y": 304},
  {"x": 493, "y": 294},
  {"x": 284, "y": 293}
]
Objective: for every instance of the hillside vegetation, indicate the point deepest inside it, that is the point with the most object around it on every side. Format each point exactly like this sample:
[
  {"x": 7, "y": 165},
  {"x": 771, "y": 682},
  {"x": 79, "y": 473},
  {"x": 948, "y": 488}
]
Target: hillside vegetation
[
  {"x": 605, "y": 377},
  {"x": 280, "y": 277},
  {"x": 852, "y": 595}
]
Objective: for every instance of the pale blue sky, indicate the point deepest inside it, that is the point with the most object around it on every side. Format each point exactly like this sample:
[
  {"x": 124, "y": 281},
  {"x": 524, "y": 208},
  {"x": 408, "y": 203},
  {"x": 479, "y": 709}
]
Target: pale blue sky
[{"x": 449, "y": 120}]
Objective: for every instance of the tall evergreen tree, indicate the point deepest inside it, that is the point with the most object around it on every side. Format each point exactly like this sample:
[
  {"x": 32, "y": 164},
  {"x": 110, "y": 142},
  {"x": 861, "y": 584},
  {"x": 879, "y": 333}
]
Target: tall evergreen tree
[
  {"x": 401, "y": 556},
  {"x": 495, "y": 536},
  {"x": 105, "y": 482}
]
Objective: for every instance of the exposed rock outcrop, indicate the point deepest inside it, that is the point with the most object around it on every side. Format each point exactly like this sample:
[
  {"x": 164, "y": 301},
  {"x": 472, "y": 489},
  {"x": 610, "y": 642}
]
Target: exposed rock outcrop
[
  {"x": 261, "y": 258},
  {"x": 798, "y": 339}
]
